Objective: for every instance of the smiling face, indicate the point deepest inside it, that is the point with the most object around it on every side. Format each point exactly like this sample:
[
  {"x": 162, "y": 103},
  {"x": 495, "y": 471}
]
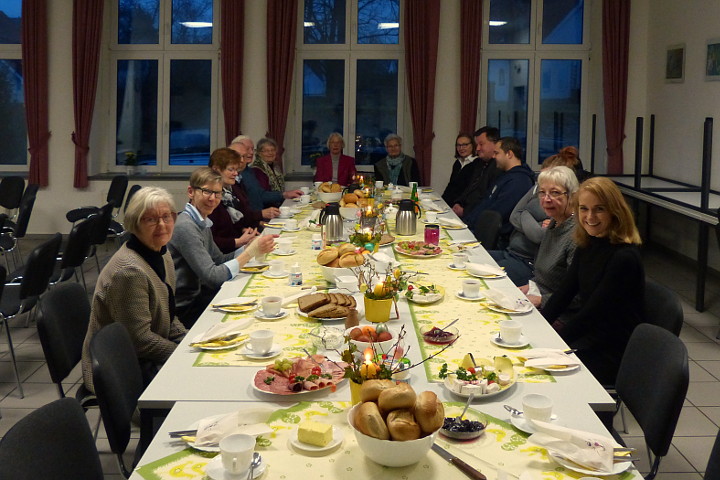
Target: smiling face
[
  {"x": 593, "y": 215},
  {"x": 229, "y": 174},
  {"x": 205, "y": 198},
  {"x": 268, "y": 153},
  {"x": 464, "y": 146},
  {"x": 554, "y": 200},
  {"x": 156, "y": 227}
]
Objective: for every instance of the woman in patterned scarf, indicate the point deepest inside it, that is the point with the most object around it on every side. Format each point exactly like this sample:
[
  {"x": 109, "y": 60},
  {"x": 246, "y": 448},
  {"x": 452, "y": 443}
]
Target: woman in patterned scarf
[
  {"x": 268, "y": 176},
  {"x": 397, "y": 168}
]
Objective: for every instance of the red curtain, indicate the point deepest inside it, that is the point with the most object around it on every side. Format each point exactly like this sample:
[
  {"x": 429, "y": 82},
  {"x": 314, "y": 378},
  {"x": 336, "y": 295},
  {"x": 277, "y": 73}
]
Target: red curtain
[
  {"x": 232, "y": 16},
  {"x": 616, "y": 39},
  {"x": 35, "y": 84},
  {"x": 281, "y": 31},
  {"x": 86, "y": 35},
  {"x": 422, "y": 28},
  {"x": 470, "y": 44}
]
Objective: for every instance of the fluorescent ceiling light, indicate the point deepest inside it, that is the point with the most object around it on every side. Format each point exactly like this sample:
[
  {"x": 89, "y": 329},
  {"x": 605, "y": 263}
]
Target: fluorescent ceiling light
[
  {"x": 497, "y": 23},
  {"x": 196, "y": 24},
  {"x": 385, "y": 26},
  {"x": 308, "y": 24}
]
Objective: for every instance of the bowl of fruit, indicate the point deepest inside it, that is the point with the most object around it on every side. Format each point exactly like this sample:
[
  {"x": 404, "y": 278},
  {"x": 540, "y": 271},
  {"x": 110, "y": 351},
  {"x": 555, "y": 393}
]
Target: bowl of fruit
[
  {"x": 379, "y": 337},
  {"x": 439, "y": 336}
]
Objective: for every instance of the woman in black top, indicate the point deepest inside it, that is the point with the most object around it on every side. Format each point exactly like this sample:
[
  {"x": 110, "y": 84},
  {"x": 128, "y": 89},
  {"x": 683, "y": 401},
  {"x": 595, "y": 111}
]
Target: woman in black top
[{"x": 607, "y": 275}]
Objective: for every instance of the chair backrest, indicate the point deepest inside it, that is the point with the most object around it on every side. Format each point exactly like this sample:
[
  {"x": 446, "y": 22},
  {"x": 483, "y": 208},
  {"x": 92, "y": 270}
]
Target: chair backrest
[
  {"x": 62, "y": 325},
  {"x": 118, "y": 382},
  {"x": 52, "y": 443},
  {"x": 117, "y": 190},
  {"x": 652, "y": 382},
  {"x": 712, "y": 472},
  {"x": 26, "y": 207},
  {"x": 39, "y": 268},
  {"x": 487, "y": 229},
  {"x": 133, "y": 191},
  {"x": 78, "y": 244},
  {"x": 663, "y": 307},
  {"x": 101, "y": 222},
  {"x": 11, "y": 192}
]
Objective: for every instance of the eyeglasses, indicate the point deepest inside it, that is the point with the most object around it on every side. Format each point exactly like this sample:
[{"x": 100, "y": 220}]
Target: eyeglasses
[
  {"x": 458, "y": 145},
  {"x": 207, "y": 193},
  {"x": 167, "y": 219},
  {"x": 232, "y": 169},
  {"x": 554, "y": 194}
]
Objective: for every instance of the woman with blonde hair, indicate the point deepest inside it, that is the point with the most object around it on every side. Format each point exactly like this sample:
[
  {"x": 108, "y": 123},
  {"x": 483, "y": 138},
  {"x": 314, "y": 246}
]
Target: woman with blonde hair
[{"x": 608, "y": 277}]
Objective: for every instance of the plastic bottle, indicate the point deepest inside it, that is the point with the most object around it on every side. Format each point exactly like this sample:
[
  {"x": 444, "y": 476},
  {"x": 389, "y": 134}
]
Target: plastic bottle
[{"x": 295, "y": 275}]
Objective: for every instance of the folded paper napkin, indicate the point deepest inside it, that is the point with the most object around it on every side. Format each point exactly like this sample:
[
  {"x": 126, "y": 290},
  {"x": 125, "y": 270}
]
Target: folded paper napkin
[
  {"x": 314, "y": 215},
  {"x": 548, "y": 357},
  {"x": 484, "y": 269},
  {"x": 428, "y": 204},
  {"x": 248, "y": 421},
  {"x": 451, "y": 222},
  {"x": 589, "y": 450},
  {"x": 221, "y": 330},
  {"x": 505, "y": 301}
]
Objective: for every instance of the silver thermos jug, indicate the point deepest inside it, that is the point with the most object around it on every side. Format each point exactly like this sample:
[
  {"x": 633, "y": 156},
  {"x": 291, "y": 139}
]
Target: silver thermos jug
[
  {"x": 332, "y": 224},
  {"x": 406, "y": 218}
]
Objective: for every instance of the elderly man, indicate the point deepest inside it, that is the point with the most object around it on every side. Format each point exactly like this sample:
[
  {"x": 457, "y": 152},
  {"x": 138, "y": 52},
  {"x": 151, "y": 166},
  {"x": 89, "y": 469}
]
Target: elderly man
[
  {"x": 397, "y": 168},
  {"x": 484, "y": 173}
]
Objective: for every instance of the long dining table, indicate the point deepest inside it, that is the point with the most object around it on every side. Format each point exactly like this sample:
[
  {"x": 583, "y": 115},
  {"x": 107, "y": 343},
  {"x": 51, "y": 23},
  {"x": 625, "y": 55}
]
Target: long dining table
[{"x": 195, "y": 384}]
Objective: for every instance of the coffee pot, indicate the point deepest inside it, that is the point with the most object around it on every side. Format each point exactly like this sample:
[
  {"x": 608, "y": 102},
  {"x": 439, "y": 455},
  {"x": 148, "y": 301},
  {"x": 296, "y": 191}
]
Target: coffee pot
[
  {"x": 406, "y": 218},
  {"x": 331, "y": 222}
]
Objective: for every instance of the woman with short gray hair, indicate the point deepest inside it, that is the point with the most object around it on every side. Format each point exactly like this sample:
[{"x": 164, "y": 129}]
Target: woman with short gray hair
[
  {"x": 335, "y": 167},
  {"x": 397, "y": 168}
]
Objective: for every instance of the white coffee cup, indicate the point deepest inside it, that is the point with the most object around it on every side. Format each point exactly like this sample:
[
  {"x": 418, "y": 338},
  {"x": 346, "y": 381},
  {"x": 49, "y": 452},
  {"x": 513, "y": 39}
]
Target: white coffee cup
[
  {"x": 291, "y": 224},
  {"x": 304, "y": 199},
  {"x": 510, "y": 331},
  {"x": 261, "y": 341},
  {"x": 347, "y": 283},
  {"x": 317, "y": 185},
  {"x": 236, "y": 451},
  {"x": 396, "y": 195},
  {"x": 381, "y": 267},
  {"x": 305, "y": 190},
  {"x": 277, "y": 267},
  {"x": 460, "y": 259},
  {"x": 430, "y": 216},
  {"x": 271, "y": 306},
  {"x": 470, "y": 287},
  {"x": 378, "y": 184},
  {"x": 285, "y": 212},
  {"x": 537, "y": 407},
  {"x": 284, "y": 245}
]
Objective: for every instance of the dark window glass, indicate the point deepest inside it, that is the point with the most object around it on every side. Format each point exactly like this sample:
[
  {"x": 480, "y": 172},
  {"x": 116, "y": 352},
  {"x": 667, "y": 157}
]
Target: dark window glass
[
  {"x": 138, "y": 21},
  {"x": 10, "y": 21},
  {"x": 324, "y": 22},
  {"x": 378, "y": 21},
  {"x": 376, "y": 108},
  {"x": 562, "y": 22},
  {"x": 190, "y": 85},
  {"x": 192, "y": 21},
  {"x": 323, "y": 106},
  {"x": 508, "y": 98},
  {"x": 510, "y": 21},
  {"x": 560, "y": 85},
  {"x": 137, "y": 104},
  {"x": 13, "y": 133}
]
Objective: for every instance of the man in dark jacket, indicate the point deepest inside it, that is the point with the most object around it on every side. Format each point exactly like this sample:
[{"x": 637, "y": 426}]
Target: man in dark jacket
[{"x": 484, "y": 170}]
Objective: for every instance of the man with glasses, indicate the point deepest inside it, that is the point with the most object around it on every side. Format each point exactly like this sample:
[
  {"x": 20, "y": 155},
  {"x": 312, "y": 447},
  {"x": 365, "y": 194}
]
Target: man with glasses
[{"x": 200, "y": 266}]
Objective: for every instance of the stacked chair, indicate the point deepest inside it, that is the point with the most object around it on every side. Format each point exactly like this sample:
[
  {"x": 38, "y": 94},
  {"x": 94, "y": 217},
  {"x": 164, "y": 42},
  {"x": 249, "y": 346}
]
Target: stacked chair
[{"x": 12, "y": 232}]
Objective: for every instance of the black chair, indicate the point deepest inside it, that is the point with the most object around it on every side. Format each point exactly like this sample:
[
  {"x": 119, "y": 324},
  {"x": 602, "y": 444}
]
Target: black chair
[
  {"x": 118, "y": 384},
  {"x": 13, "y": 232},
  {"x": 52, "y": 443},
  {"x": 652, "y": 383},
  {"x": 21, "y": 294},
  {"x": 11, "y": 193},
  {"x": 115, "y": 196},
  {"x": 487, "y": 229},
  {"x": 117, "y": 229},
  {"x": 663, "y": 307},
  {"x": 712, "y": 472},
  {"x": 76, "y": 251},
  {"x": 99, "y": 231}
]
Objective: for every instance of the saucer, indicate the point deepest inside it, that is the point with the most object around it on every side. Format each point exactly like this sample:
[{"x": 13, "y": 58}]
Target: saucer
[
  {"x": 461, "y": 295},
  {"x": 522, "y": 423},
  {"x": 260, "y": 315},
  {"x": 291, "y": 229},
  {"x": 215, "y": 470},
  {"x": 497, "y": 340},
  {"x": 268, "y": 274},
  {"x": 285, "y": 254},
  {"x": 337, "y": 439},
  {"x": 285, "y": 217},
  {"x": 452, "y": 266},
  {"x": 274, "y": 352}
]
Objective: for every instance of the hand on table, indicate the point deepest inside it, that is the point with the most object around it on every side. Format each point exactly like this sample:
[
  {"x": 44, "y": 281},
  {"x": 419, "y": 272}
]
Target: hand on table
[
  {"x": 270, "y": 213},
  {"x": 458, "y": 209},
  {"x": 292, "y": 194}
]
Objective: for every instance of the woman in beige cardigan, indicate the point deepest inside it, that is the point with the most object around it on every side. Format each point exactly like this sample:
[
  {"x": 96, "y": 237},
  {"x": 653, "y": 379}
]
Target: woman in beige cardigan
[{"x": 137, "y": 286}]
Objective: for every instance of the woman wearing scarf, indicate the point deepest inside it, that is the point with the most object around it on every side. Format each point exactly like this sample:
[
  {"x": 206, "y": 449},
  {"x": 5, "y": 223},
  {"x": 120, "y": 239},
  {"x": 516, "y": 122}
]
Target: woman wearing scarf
[
  {"x": 137, "y": 286},
  {"x": 397, "y": 168},
  {"x": 268, "y": 177}
]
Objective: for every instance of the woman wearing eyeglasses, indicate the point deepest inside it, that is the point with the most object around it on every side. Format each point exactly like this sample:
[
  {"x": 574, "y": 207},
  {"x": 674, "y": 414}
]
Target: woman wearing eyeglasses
[
  {"x": 461, "y": 169},
  {"x": 136, "y": 287},
  {"x": 200, "y": 265}
]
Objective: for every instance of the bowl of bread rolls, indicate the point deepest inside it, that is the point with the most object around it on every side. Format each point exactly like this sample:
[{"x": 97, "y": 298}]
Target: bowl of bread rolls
[
  {"x": 330, "y": 192},
  {"x": 337, "y": 261},
  {"x": 393, "y": 425}
]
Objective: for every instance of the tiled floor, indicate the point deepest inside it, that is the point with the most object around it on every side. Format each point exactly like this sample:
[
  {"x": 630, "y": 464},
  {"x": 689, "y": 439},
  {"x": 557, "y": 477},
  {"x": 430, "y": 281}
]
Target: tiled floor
[{"x": 691, "y": 445}]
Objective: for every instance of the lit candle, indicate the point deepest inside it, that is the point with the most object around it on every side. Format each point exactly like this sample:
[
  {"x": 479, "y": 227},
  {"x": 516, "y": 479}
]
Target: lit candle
[{"x": 368, "y": 369}]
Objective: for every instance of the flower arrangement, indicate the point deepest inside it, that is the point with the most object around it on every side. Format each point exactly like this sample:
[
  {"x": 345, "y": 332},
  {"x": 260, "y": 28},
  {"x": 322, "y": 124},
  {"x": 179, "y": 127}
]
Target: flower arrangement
[
  {"x": 131, "y": 159},
  {"x": 381, "y": 285}
]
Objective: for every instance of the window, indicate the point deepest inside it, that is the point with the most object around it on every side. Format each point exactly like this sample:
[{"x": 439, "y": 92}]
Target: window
[
  {"x": 349, "y": 72},
  {"x": 164, "y": 60},
  {"x": 13, "y": 129},
  {"x": 535, "y": 62}
]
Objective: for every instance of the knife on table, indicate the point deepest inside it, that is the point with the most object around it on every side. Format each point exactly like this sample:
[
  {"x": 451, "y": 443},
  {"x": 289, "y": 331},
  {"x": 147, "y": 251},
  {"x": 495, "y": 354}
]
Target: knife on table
[{"x": 462, "y": 466}]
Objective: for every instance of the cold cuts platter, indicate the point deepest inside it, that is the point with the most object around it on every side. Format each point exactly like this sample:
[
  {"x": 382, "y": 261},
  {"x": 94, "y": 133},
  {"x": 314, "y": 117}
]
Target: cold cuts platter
[{"x": 299, "y": 375}]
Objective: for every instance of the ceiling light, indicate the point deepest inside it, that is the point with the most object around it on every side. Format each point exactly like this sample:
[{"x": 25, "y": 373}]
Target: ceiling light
[
  {"x": 196, "y": 24},
  {"x": 497, "y": 23},
  {"x": 308, "y": 24},
  {"x": 385, "y": 26}
]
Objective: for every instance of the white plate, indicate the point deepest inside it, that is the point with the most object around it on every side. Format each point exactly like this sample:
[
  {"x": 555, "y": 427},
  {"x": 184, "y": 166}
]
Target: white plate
[
  {"x": 462, "y": 296},
  {"x": 618, "y": 467},
  {"x": 291, "y": 229},
  {"x": 427, "y": 299},
  {"x": 452, "y": 266},
  {"x": 337, "y": 439},
  {"x": 231, "y": 310},
  {"x": 275, "y": 276},
  {"x": 285, "y": 254},
  {"x": 525, "y": 425},
  {"x": 501, "y": 343},
  {"x": 285, "y": 217},
  {"x": 567, "y": 368},
  {"x": 453, "y": 227},
  {"x": 259, "y": 314},
  {"x": 305, "y": 315},
  {"x": 215, "y": 470},
  {"x": 274, "y": 352},
  {"x": 224, "y": 347},
  {"x": 495, "y": 308},
  {"x": 485, "y": 395},
  {"x": 487, "y": 277}
]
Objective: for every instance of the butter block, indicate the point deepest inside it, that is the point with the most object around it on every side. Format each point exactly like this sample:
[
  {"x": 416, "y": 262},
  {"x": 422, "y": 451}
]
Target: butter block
[{"x": 315, "y": 433}]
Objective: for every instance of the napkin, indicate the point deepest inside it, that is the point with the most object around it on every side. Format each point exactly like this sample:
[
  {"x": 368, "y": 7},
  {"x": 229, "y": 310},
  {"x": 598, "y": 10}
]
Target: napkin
[
  {"x": 428, "y": 204},
  {"x": 484, "y": 269},
  {"x": 451, "y": 222},
  {"x": 250, "y": 421},
  {"x": 222, "y": 330},
  {"x": 548, "y": 357},
  {"x": 314, "y": 215},
  {"x": 589, "y": 450},
  {"x": 507, "y": 302}
]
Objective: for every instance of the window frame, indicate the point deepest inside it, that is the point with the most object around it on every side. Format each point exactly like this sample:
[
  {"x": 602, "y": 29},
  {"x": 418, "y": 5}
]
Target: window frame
[{"x": 13, "y": 51}]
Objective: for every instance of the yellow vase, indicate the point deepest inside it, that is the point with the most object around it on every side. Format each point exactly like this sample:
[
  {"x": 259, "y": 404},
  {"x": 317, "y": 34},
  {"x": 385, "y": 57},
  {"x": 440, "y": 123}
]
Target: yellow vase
[
  {"x": 377, "y": 311},
  {"x": 355, "y": 392}
]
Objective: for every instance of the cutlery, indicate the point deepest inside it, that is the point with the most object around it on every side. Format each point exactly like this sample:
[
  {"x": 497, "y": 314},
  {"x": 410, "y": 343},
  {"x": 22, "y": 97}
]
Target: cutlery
[
  {"x": 450, "y": 324},
  {"x": 235, "y": 304},
  {"x": 257, "y": 459},
  {"x": 288, "y": 300},
  {"x": 455, "y": 461},
  {"x": 623, "y": 449},
  {"x": 513, "y": 410},
  {"x": 182, "y": 433},
  {"x": 467, "y": 405},
  {"x": 568, "y": 352}
]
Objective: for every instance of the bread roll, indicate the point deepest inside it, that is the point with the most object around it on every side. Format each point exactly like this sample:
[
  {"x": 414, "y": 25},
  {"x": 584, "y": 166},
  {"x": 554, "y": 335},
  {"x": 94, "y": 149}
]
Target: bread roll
[
  {"x": 400, "y": 396},
  {"x": 335, "y": 188},
  {"x": 402, "y": 425},
  {"x": 370, "y": 390},
  {"x": 346, "y": 248},
  {"x": 359, "y": 193},
  {"x": 351, "y": 205},
  {"x": 369, "y": 421},
  {"x": 328, "y": 255},
  {"x": 334, "y": 264},
  {"x": 351, "y": 260},
  {"x": 350, "y": 198},
  {"x": 429, "y": 412},
  {"x": 325, "y": 187}
]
